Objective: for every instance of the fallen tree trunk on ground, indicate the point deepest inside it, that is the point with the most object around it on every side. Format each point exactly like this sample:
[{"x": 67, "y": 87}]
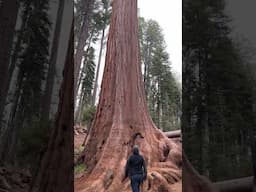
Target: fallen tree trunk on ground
[
  {"x": 192, "y": 181},
  {"x": 236, "y": 185},
  {"x": 173, "y": 134}
]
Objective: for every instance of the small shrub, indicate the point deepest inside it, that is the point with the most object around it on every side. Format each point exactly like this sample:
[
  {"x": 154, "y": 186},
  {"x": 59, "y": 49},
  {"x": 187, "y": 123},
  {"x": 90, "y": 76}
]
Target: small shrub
[
  {"x": 80, "y": 168},
  {"x": 88, "y": 115}
]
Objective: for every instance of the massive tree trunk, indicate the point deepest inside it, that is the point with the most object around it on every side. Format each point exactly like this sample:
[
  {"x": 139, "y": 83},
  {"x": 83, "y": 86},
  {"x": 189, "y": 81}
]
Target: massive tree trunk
[
  {"x": 122, "y": 118},
  {"x": 56, "y": 171}
]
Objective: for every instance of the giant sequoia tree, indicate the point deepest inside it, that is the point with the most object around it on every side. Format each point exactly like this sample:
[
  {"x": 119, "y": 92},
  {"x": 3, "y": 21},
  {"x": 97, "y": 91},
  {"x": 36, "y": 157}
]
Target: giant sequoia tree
[{"x": 122, "y": 118}]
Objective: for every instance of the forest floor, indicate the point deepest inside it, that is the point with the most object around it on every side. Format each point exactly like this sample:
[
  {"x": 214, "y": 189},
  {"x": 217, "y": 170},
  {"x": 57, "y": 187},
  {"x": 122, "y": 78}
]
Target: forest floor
[{"x": 79, "y": 137}]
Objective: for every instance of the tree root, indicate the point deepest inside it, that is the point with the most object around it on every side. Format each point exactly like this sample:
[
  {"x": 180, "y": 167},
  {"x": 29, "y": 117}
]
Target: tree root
[{"x": 164, "y": 170}]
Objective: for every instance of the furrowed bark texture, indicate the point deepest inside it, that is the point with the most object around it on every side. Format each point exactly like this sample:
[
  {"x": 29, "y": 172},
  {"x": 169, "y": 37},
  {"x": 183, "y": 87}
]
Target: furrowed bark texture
[{"x": 122, "y": 118}]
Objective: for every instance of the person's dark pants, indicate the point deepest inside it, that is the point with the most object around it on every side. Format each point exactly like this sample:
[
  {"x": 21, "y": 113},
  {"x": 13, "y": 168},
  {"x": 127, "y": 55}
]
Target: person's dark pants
[{"x": 136, "y": 180}]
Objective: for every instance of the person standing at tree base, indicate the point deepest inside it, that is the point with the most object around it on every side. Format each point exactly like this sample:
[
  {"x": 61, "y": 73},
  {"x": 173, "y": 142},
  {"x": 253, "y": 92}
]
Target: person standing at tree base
[{"x": 136, "y": 169}]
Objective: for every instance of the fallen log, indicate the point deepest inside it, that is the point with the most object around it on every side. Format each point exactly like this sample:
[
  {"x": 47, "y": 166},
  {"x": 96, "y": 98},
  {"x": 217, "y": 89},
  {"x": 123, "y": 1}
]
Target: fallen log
[
  {"x": 173, "y": 134},
  {"x": 235, "y": 185}
]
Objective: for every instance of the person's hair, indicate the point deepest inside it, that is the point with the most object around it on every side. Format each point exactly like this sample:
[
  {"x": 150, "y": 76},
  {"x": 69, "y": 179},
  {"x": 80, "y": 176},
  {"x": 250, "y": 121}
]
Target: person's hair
[{"x": 136, "y": 149}]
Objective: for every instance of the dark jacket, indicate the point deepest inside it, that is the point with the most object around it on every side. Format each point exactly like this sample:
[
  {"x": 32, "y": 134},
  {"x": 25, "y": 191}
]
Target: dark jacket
[{"x": 135, "y": 165}]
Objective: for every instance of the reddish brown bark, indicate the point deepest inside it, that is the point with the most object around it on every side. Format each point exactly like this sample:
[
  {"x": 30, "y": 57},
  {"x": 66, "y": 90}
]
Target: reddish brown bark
[{"x": 122, "y": 118}]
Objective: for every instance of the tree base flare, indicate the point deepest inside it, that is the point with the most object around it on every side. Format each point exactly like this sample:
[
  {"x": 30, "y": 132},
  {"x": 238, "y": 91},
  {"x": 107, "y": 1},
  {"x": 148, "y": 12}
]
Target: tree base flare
[{"x": 163, "y": 158}]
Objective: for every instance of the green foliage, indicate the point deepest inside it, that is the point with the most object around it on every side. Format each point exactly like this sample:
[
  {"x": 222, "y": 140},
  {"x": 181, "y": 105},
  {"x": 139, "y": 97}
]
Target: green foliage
[
  {"x": 34, "y": 140},
  {"x": 161, "y": 88},
  {"x": 33, "y": 60},
  {"x": 88, "y": 115},
  {"x": 88, "y": 75},
  {"x": 217, "y": 94},
  {"x": 80, "y": 168},
  {"x": 78, "y": 150},
  {"x": 100, "y": 18},
  {"x": 28, "y": 136}
]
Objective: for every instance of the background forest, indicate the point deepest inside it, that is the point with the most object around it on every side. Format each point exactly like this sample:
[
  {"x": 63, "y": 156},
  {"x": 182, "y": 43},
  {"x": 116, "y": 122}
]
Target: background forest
[
  {"x": 219, "y": 93},
  {"x": 35, "y": 64}
]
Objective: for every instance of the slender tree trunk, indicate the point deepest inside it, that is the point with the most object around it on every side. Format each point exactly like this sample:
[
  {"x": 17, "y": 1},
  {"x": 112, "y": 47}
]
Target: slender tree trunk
[
  {"x": 203, "y": 116},
  {"x": 56, "y": 171},
  {"x": 253, "y": 138},
  {"x": 9, "y": 136},
  {"x": 78, "y": 98},
  {"x": 158, "y": 110},
  {"x": 80, "y": 79},
  {"x": 161, "y": 117},
  {"x": 147, "y": 71},
  {"x": 122, "y": 118},
  {"x": 46, "y": 104},
  {"x": 98, "y": 68},
  {"x": 82, "y": 107},
  {"x": 146, "y": 57},
  {"x": 253, "y": 152},
  {"x": 8, "y": 16},
  {"x": 13, "y": 60},
  {"x": 82, "y": 37},
  {"x": 79, "y": 109},
  {"x": 254, "y": 184},
  {"x": 16, "y": 126}
]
